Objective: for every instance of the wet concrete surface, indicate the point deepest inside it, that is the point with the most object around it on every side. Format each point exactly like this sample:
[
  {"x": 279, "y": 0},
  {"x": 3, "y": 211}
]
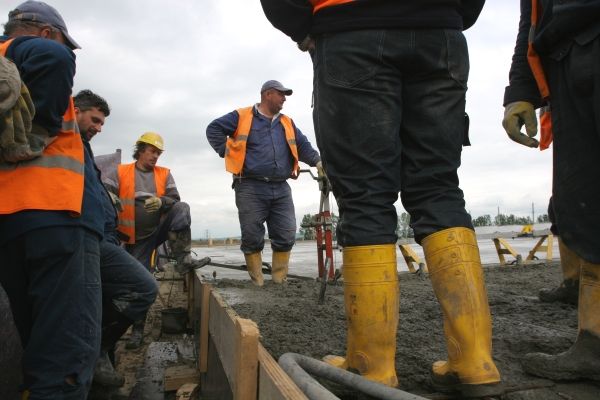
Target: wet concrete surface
[{"x": 303, "y": 259}]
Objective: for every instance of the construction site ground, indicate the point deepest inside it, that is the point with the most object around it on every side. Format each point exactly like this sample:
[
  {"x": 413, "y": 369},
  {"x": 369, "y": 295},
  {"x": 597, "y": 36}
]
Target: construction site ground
[{"x": 291, "y": 320}]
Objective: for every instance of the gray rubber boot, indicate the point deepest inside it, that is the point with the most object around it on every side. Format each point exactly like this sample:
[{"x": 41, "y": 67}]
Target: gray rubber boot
[
  {"x": 567, "y": 292},
  {"x": 137, "y": 334},
  {"x": 180, "y": 243},
  {"x": 105, "y": 373}
]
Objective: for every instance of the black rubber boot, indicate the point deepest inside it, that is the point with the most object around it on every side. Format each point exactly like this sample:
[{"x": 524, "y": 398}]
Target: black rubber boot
[
  {"x": 137, "y": 334},
  {"x": 581, "y": 361},
  {"x": 105, "y": 373},
  {"x": 567, "y": 292},
  {"x": 180, "y": 243}
]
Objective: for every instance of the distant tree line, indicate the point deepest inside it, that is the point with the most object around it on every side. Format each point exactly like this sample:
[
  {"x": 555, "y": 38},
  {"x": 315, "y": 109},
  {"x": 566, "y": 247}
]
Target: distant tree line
[
  {"x": 403, "y": 229},
  {"x": 503, "y": 219}
]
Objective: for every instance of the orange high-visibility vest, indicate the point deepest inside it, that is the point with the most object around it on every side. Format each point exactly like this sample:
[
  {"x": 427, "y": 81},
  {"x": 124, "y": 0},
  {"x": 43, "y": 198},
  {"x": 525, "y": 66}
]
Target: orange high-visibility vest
[
  {"x": 540, "y": 78},
  {"x": 318, "y": 4},
  {"x": 52, "y": 182},
  {"x": 126, "y": 173},
  {"x": 235, "y": 148}
]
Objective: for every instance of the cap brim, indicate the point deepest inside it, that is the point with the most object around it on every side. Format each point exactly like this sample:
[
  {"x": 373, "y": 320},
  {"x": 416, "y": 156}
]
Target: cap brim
[
  {"x": 70, "y": 41},
  {"x": 286, "y": 91}
]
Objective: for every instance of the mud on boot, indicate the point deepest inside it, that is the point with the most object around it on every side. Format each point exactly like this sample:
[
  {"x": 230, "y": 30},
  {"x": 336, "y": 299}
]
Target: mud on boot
[
  {"x": 105, "y": 373},
  {"x": 567, "y": 292},
  {"x": 137, "y": 335}
]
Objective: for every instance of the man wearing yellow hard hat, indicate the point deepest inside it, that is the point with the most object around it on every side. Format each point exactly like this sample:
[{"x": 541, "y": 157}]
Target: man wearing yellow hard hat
[{"x": 152, "y": 210}]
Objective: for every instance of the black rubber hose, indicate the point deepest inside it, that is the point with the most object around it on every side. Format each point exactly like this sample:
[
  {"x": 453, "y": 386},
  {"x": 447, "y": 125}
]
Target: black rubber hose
[{"x": 298, "y": 368}]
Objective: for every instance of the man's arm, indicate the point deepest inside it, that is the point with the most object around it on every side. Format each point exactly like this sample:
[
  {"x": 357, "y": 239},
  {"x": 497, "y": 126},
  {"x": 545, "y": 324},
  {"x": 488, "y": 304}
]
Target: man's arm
[
  {"x": 171, "y": 195},
  {"x": 522, "y": 85},
  {"x": 292, "y": 17},
  {"x": 306, "y": 153},
  {"x": 218, "y": 130},
  {"x": 47, "y": 68}
]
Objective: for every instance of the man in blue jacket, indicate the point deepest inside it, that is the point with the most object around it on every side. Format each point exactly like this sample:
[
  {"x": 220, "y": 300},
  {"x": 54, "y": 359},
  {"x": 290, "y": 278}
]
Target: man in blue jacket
[
  {"x": 389, "y": 111},
  {"x": 52, "y": 224},
  {"x": 262, "y": 148},
  {"x": 128, "y": 288}
]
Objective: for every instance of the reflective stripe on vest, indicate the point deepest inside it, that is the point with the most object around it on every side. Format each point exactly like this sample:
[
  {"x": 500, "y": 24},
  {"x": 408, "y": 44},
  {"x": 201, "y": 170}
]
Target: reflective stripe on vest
[
  {"x": 126, "y": 173},
  {"x": 535, "y": 64},
  {"x": 318, "y": 4},
  {"x": 52, "y": 182},
  {"x": 235, "y": 148}
]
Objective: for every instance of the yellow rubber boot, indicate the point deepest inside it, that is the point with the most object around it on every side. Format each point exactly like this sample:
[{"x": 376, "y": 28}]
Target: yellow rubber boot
[
  {"x": 254, "y": 265},
  {"x": 279, "y": 268},
  {"x": 582, "y": 360},
  {"x": 568, "y": 291},
  {"x": 455, "y": 271},
  {"x": 371, "y": 296}
]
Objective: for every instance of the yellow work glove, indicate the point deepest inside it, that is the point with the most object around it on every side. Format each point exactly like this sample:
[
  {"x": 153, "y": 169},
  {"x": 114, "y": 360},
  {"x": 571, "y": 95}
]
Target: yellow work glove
[
  {"x": 516, "y": 115},
  {"x": 152, "y": 204},
  {"x": 323, "y": 179}
]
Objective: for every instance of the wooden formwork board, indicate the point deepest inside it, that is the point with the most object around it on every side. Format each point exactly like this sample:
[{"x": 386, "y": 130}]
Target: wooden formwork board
[
  {"x": 250, "y": 370},
  {"x": 273, "y": 382}
]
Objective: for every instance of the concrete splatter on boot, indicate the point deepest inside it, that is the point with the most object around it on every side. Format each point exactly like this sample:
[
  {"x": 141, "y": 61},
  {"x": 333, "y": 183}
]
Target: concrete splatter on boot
[
  {"x": 279, "y": 269},
  {"x": 180, "y": 243},
  {"x": 137, "y": 334},
  {"x": 254, "y": 266},
  {"x": 105, "y": 373},
  {"x": 568, "y": 291},
  {"x": 582, "y": 360}
]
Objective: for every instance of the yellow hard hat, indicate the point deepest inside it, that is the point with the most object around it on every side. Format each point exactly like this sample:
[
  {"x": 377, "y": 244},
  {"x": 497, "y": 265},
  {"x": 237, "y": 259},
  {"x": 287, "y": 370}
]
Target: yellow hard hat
[{"x": 152, "y": 138}]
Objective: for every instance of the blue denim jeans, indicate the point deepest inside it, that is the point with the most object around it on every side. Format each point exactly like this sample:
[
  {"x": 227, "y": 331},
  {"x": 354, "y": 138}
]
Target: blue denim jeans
[
  {"x": 271, "y": 202},
  {"x": 390, "y": 118},
  {"x": 126, "y": 284},
  {"x": 52, "y": 278}
]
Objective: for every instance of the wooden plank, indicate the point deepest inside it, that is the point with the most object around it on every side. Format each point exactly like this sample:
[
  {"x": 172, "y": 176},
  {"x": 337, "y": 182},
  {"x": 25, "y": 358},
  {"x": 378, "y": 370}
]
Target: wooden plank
[
  {"x": 245, "y": 385},
  {"x": 507, "y": 249},
  {"x": 549, "y": 239},
  {"x": 410, "y": 257},
  {"x": 177, "y": 376},
  {"x": 188, "y": 391},
  {"x": 205, "y": 290},
  {"x": 236, "y": 343},
  {"x": 273, "y": 382}
]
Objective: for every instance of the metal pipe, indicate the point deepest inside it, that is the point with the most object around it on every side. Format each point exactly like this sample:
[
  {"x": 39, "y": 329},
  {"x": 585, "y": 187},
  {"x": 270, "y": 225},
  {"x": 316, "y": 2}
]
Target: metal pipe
[{"x": 298, "y": 366}]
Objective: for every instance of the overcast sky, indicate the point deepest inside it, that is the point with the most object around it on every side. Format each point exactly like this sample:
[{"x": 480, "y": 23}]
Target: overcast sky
[{"x": 173, "y": 66}]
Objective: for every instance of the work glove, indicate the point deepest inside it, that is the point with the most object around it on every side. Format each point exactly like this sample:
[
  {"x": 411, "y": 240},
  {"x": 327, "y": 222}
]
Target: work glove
[
  {"x": 10, "y": 84},
  {"x": 323, "y": 179},
  {"x": 152, "y": 204},
  {"x": 116, "y": 201},
  {"x": 16, "y": 114},
  {"x": 516, "y": 115},
  {"x": 307, "y": 44}
]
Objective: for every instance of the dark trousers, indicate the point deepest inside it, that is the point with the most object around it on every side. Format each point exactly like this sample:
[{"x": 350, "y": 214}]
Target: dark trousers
[
  {"x": 127, "y": 286},
  {"x": 176, "y": 219},
  {"x": 52, "y": 279},
  {"x": 574, "y": 80},
  {"x": 271, "y": 202},
  {"x": 390, "y": 117}
]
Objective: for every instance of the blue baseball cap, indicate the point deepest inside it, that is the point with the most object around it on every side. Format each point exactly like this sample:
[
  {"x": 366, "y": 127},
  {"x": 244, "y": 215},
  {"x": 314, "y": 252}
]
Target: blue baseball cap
[
  {"x": 38, "y": 11},
  {"x": 272, "y": 84}
]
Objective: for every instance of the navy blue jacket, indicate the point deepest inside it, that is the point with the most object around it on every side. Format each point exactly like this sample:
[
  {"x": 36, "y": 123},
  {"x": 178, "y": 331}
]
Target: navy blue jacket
[
  {"x": 47, "y": 68},
  {"x": 295, "y": 18},
  {"x": 267, "y": 151},
  {"x": 562, "y": 23}
]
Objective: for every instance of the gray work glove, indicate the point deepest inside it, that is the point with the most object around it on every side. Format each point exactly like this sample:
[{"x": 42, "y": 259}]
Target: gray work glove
[
  {"x": 116, "y": 201},
  {"x": 152, "y": 204},
  {"x": 16, "y": 114},
  {"x": 516, "y": 115},
  {"x": 10, "y": 84}
]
